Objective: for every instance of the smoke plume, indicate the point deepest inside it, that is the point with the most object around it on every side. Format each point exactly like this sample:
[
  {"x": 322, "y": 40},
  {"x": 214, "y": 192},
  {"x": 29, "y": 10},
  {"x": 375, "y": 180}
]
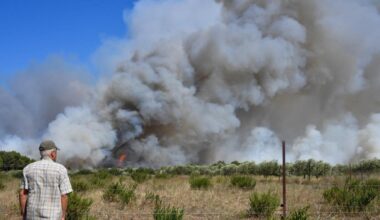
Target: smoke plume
[{"x": 198, "y": 81}]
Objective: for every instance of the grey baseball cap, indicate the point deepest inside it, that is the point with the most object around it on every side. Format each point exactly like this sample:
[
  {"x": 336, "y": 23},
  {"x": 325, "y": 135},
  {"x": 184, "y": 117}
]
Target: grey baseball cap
[{"x": 47, "y": 145}]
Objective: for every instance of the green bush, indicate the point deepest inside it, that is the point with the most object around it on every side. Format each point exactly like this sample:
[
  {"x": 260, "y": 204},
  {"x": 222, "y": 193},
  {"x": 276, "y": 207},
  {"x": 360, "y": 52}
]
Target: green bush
[
  {"x": 17, "y": 174},
  {"x": 79, "y": 185},
  {"x": 113, "y": 191},
  {"x": 353, "y": 196},
  {"x": 244, "y": 182},
  {"x": 199, "y": 182},
  {"x": 13, "y": 160},
  {"x": 78, "y": 207},
  {"x": 117, "y": 192},
  {"x": 373, "y": 184},
  {"x": 139, "y": 176},
  {"x": 299, "y": 214},
  {"x": 162, "y": 176},
  {"x": 115, "y": 172},
  {"x": 163, "y": 212},
  {"x": 263, "y": 205},
  {"x": 127, "y": 195}
]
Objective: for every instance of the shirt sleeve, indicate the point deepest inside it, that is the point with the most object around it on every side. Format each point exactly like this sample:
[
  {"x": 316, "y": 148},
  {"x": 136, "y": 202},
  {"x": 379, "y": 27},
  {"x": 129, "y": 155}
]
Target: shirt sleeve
[
  {"x": 65, "y": 185},
  {"x": 24, "y": 181}
]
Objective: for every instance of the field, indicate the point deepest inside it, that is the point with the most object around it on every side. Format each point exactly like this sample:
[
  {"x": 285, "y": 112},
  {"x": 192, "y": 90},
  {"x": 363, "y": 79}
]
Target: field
[{"x": 219, "y": 200}]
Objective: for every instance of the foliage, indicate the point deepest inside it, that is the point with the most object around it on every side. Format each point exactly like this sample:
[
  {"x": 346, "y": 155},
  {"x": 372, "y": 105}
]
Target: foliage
[
  {"x": 150, "y": 196},
  {"x": 367, "y": 166},
  {"x": 299, "y": 214},
  {"x": 167, "y": 212},
  {"x": 200, "y": 182},
  {"x": 115, "y": 171},
  {"x": 117, "y": 192},
  {"x": 17, "y": 174},
  {"x": 140, "y": 176},
  {"x": 78, "y": 207},
  {"x": 353, "y": 196},
  {"x": 162, "y": 176},
  {"x": 84, "y": 172},
  {"x": 79, "y": 185},
  {"x": 310, "y": 168},
  {"x": 13, "y": 160},
  {"x": 269, "y": 168},
  {"x": 263, "y": 205},
  {"x": 245, "y": 182}
]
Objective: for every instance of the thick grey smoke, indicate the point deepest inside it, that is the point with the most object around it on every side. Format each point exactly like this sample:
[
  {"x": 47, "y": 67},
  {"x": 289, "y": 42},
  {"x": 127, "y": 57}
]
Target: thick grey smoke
[{"x": 199, "y": 81}]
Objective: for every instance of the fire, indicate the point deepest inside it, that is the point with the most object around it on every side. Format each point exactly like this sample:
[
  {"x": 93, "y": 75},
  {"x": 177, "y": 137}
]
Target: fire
[{"x": 121, "y": 159}]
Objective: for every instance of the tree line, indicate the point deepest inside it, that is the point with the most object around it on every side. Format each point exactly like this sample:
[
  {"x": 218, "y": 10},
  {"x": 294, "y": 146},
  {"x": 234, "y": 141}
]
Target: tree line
[{"x": 306, "y": 168}]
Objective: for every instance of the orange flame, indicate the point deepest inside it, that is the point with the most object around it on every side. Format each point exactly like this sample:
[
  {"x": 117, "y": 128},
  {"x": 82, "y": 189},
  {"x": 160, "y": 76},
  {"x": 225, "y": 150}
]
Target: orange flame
[{"x": 121, "y": 159}]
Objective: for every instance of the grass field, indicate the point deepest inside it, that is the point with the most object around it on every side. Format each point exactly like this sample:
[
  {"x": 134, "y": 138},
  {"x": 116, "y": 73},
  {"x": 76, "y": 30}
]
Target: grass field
[{"x": 221, "y": 200}]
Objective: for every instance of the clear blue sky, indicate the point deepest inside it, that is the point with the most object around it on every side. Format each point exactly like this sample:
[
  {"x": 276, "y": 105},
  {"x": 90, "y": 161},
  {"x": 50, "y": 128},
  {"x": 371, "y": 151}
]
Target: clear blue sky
[{"x": 31, "y": 30}]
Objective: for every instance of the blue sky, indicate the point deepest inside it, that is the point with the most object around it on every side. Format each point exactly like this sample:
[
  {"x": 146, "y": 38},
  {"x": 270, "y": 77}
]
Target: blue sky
[{"x": 31, "y": 30}]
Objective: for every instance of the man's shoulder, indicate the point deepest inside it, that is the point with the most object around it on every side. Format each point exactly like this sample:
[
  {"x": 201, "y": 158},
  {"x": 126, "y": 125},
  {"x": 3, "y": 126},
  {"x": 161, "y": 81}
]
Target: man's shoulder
[
  {"x": 32, "y": 165},
  {"x": 52, "y": 165}
]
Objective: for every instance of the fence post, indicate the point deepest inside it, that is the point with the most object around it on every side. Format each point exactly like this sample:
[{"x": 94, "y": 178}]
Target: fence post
[{"x": 283, "y": 181}]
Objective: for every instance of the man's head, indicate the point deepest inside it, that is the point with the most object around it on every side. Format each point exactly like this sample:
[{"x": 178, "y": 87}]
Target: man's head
[{"x": 48, "y": 149}]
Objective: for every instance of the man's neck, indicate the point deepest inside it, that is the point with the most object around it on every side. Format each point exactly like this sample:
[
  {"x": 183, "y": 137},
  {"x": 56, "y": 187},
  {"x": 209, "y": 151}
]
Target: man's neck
[{"x": 47, "y": 158}]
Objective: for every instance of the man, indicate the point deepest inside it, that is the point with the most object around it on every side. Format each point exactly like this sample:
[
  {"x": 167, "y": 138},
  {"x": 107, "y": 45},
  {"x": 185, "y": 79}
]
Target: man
[{"x": 45, "y": 186}]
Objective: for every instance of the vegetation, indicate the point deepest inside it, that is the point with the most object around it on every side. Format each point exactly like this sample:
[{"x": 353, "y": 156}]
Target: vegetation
[
  {"x": 263, "y": 205},
  {"x": 166, "y": 212},
  {"x": 199, "y": 182},
  {"x": 354, "y": 195},
  {"x": 79, "y": 185},
  {"x": 140, "y": 176},
  {"x": 13, "y": 161},
  {"x": 118, "y": 192},
  {"x": 244, "y": 182},
  {"x": 78, "y": 207},
  {"x": 299, "y": 214},
  {"x": 109, "y": 189}
]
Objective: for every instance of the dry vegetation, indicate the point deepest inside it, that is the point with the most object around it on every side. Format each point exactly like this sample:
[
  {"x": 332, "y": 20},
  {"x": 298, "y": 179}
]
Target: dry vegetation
[{"x": 219, "y": 201}]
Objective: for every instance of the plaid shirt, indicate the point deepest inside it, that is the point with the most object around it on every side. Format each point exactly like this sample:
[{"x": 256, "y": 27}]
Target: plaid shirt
[{"x": 45, "y": 181}]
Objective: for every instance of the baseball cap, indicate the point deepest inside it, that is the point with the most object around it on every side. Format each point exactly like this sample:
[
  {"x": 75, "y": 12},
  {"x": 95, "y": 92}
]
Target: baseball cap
[{"x": 47, "y": 145}]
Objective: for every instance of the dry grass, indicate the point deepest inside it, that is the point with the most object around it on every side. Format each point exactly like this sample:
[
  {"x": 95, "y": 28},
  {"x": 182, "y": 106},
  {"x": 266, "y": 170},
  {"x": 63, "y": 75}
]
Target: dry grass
[{"x": 221, "y": 201}]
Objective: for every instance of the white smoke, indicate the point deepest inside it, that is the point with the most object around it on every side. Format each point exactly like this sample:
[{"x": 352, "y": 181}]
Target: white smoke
[{"x": 199, "y": 81}]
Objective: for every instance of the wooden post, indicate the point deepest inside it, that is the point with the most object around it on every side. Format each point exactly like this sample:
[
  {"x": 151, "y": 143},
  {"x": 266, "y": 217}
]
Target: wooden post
[{"x": 283, "y": 181}]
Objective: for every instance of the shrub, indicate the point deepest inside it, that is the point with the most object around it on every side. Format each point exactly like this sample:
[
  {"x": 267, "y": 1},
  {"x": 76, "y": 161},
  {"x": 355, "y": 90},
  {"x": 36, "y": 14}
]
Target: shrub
[
  {"x": 299, "y": 214},
  {"x": 13, "y": 160},
  {"x": 199, "y": 182},
  {"x": 127, "y": 195},
  {"x": 117, "y": 192},
  {"x": 139, "y": 176},
  {"x": 162, "y": 176},
  {"x": 373, "y": 184},
  {"x": 102, "y": 174},
  {"x": 112, "y": 192},
  {"x": 115, "y": 172},
  {"x": 263, "y": 205},
  {"x": 353, "y": 196},
  {"x": 150, "y": 196},
  {"x": 245, "y": 182},
  {"x": 162, "y": 212},
  {"x": 99, "y": 179},
  {"x": 78, "y": 207},
  {"x": 79, "y": 185}
]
